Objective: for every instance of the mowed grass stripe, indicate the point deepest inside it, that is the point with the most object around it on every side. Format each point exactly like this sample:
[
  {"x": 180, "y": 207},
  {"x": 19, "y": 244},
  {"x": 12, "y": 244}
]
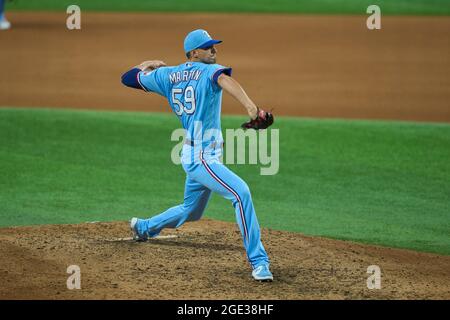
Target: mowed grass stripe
[{"x": 376, "y": 182}]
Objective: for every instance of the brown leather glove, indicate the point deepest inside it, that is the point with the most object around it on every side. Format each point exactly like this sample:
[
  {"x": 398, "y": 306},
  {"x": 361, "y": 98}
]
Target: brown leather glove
[{"x": 263, "y": 120}]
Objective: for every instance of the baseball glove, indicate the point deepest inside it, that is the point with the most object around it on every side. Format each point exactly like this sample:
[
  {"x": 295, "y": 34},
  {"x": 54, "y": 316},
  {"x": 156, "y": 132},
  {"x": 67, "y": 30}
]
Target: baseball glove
[{"x": 263, "y": 120}]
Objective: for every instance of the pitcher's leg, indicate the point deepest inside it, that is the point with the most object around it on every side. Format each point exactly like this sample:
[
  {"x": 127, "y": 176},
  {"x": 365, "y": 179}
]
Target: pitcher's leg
[
  {"x": 196, "y": 197},
  {"x": 222, "y": 180}
]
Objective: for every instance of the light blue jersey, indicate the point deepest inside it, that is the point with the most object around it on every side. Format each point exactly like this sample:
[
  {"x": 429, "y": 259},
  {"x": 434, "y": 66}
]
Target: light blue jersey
[{"x": 193, "y": 94}]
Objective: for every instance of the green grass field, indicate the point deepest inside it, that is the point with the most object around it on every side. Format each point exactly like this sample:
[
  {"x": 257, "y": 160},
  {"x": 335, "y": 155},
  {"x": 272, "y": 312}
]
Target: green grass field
[
  {"x": 376, "y": 182},
  {"x": 414, "y": 7}
]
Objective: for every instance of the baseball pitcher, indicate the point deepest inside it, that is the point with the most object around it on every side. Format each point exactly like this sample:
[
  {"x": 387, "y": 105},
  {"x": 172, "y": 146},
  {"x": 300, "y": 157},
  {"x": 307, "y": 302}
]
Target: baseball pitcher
[{"x": 194, "y": 92}]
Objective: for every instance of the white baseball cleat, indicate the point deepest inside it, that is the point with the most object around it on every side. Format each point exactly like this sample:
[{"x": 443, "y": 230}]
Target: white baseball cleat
[
  {"x": 134, "y": 229},
  {"x": 134, "y": 222},
  {"x": 5, "y": 24},
  {"x": 262, "y": 273}
]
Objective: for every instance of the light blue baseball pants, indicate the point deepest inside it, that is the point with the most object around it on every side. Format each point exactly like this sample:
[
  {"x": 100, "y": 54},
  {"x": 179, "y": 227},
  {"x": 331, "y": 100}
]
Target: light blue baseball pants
[{"x": 203, "y": 176}]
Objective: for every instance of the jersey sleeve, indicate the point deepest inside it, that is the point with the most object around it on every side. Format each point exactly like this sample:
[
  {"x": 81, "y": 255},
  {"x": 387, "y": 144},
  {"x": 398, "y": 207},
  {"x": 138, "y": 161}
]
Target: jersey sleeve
[
  {"x": 154, "y": 81},
  {"x": 216, "y": 70}
]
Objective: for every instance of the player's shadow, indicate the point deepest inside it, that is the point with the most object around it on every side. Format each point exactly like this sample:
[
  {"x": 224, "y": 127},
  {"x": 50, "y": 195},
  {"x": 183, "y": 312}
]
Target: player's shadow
[
  {"x": 194, "y": 243},
  {"x": 216, "y": 246}
]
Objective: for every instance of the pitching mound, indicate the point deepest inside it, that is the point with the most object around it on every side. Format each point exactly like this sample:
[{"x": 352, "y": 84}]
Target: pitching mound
[{"x": 206, "y": 260}]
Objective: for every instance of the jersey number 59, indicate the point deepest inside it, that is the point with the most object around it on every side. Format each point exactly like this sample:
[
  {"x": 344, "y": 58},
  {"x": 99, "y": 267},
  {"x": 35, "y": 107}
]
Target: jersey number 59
[{"x": 189, "y": 100}]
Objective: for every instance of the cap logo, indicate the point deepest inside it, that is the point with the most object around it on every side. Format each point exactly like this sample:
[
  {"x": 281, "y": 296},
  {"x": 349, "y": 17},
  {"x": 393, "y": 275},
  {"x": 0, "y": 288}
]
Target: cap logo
[{"x": 206, "y": 34}]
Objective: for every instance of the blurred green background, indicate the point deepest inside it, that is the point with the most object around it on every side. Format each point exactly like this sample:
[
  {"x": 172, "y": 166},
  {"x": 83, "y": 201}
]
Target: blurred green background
[{"x": 381, "y": 182}]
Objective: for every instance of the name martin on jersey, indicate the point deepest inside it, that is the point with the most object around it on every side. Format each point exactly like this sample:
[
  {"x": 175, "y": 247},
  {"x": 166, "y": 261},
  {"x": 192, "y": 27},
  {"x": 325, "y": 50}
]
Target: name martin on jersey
[{"x": 180, "y": 76}]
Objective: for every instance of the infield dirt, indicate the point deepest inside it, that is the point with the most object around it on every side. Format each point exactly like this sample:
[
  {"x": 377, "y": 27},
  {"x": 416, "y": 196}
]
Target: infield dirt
[
  {"x": 206, "y": 260},
  {"x": 319, "y": 66}
]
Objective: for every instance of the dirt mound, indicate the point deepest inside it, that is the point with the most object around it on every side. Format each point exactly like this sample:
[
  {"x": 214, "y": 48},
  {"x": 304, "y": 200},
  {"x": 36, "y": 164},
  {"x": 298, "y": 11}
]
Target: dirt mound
[
  {"x": 206, "y": 260},
  {"x": 317, "y": 66}
]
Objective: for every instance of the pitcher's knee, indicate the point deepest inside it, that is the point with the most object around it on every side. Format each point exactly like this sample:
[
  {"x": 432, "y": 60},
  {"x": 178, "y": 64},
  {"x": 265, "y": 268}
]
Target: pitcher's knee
[
  {"x": 194, "y": 216},
  {"x": 194, "y": 213},
  {"x": 243, "y": 191}
]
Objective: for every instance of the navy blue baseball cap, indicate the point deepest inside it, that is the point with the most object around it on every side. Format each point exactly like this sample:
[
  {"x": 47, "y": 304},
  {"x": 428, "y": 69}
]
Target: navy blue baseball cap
[{"x": 198, "y": 39}]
